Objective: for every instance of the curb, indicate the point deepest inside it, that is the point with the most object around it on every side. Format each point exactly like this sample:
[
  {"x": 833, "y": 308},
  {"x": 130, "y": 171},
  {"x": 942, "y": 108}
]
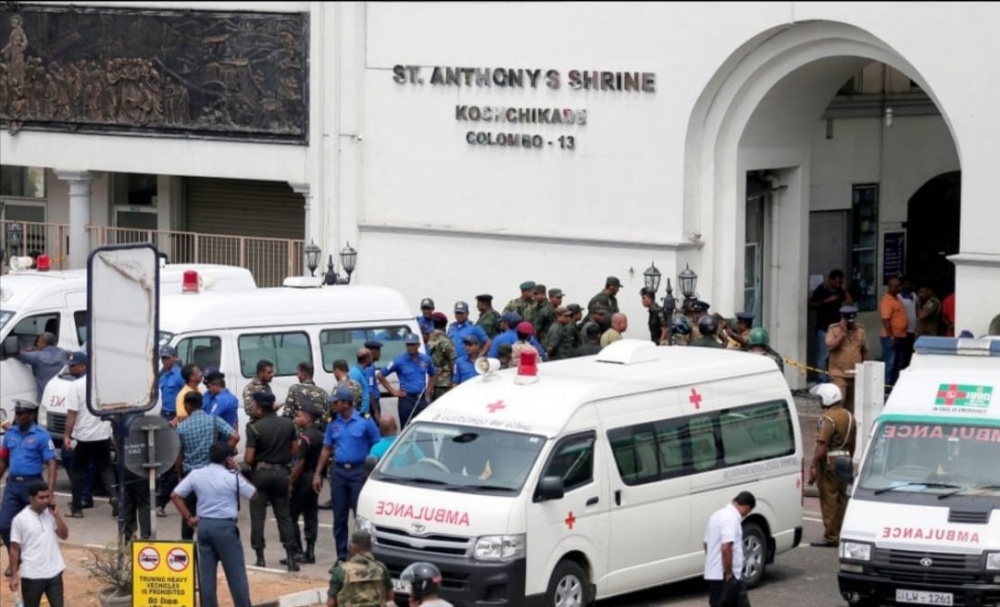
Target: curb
[{"x": 303, "y": 598}]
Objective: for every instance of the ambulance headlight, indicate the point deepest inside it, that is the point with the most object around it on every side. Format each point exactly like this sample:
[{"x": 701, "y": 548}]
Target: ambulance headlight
[
  {"x": 856, "y": 551},
  {"x": 993, "y": 561},
  {"x": 500, "y": 547}
]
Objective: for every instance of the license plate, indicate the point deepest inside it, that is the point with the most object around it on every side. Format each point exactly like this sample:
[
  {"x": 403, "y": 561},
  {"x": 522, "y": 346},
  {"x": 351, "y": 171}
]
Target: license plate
[
  {"x": 919, "y": 597},
  {"x": 404, "y": 588}
]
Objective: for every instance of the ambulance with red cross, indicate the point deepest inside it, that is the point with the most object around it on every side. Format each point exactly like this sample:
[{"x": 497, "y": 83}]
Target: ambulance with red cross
[
  {"x": 923, "y": 523},
  {"x": 583, "y": 479}
]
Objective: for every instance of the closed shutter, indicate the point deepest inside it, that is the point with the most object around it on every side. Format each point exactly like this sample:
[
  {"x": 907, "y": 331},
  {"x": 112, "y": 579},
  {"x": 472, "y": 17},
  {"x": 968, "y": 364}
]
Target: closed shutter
[{"x": 252, "y": 209}]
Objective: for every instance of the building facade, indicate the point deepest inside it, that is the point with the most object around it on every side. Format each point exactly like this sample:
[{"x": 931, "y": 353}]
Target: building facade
[{"x": 464, "y": 148}]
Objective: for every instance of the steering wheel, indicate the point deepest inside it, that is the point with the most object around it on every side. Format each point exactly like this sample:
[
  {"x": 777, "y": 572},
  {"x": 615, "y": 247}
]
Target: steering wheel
[{"x": 433, "y": 463}]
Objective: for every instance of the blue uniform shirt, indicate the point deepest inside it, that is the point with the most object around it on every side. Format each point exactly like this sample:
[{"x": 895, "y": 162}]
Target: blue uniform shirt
[
  {"x": 171, "y": 384},
  {"x": 465, "y": 369},
  {"x": 351, "y": 439},
  {"x": 458, "y": 332},
  {"x": 412, "y": 373},
  {"x": 357, "y": 374},
  {"x": 510, "y": 337},
  {"x": 374, "y": 391},
  {"x": 27, "y": 453},
  {"x": 224, "y": 405},
  {"x": 426, "y": 325},
  {"x": 216, "y": 488}
]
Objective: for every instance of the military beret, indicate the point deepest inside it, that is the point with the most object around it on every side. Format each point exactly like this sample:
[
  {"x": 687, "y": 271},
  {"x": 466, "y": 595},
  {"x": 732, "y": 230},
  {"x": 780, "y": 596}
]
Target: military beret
[
  {"x": 555, "y": 293},
  {"x": 373, "y": 344},
  {"x": 744, "y": 316},
  {"x": 484, "y": 297},
  {"x": 426, "y": 302},
  {"x": 411, "y": 339},
  {"x": 264, "y": 398},
  {"x": 439, "y": 317},
  {"x": 539, "y": 288},
  {"x": 311, "y": 409},
  {"x": 24, "y": 406},
  {"x": 461, "y": 307},
  {"x": 612, "y": 281},
  {"x": 574, "y": 308},
  {"x": 525, "y": 328},
  {"x": 527, "y": 285}
]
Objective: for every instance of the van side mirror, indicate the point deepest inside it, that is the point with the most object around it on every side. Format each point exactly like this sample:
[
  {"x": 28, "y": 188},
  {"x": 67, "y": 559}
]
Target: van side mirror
[
  {"x": 550, "y": 488},
  {"x": 11, "y": 346}
]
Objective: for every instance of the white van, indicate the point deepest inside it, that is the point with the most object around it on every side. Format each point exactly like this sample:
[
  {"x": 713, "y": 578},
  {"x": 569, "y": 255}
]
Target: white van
[
  {"x": 923, "y": 523},
  {"x": 33, "y": 302},
  {"x": 596, "y": 480}
]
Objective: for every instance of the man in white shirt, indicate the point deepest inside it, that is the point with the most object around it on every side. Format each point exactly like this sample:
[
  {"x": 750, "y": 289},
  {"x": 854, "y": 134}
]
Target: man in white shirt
[
  {"x": 37, "y": 563},
  {"x": 88, "y": 438},
  {"x": 724, "y": 552}
]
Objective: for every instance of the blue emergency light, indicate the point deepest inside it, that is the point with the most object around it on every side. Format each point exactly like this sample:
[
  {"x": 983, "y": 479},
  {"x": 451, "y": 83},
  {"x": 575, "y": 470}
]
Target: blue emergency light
[{"x": 959, "y": 346}]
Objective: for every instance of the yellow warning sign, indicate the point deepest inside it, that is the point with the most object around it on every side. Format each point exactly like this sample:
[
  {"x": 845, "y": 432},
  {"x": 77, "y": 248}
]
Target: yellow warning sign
[{"x": 163, "y": 574}]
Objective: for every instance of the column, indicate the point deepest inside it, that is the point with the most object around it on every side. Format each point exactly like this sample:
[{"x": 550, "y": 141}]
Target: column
[
  {"x": 79, "y": 215},
  {"x": 306, "y": 191}
]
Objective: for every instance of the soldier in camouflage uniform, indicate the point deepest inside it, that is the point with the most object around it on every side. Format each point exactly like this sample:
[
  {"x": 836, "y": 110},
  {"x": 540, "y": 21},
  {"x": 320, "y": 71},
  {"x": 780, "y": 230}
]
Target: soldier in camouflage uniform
[
  {"x": 561, "y": 340},
  {"x": 525, "y": 304},
  {"x": 489, "y": 319},
  {"x": 577, "y": 318},
  {"x": 545, "y": 311},
  {"x": 306, "y": 391},
  {"x": 606, "y": 298},
  {"x": 599, "y": 316},
  {"x": 342, "y": 373},
  {"x": 360, "y": 581},
  {"x": 443, "y": 354},
  {"x": 261, "y": 383}
]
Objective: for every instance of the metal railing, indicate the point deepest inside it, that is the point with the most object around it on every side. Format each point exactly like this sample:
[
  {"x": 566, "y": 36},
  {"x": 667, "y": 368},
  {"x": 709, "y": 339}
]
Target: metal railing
[
  {"x": 34, "y": 238},
  {"x": 270, "y": 260}
]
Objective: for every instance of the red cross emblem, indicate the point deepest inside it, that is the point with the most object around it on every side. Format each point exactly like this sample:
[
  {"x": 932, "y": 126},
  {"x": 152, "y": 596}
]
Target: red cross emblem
[
  {"x": 695, "y": 399},
  {"x": 494, "y": 407},
  {"x": 570, "y": 520},
  {"x": 951, "y": 394}
]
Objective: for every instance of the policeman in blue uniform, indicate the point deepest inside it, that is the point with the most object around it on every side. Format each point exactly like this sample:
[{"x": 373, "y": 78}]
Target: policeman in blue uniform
[
  {"x": 26, "y": 451},
  {"x": 416, "y": 379},
  {"x": 349, "y": 438},
  {"x": 462, "y": 328},
  {"x": 424, "y": 320},
  {"x": 374, "y": 390}
]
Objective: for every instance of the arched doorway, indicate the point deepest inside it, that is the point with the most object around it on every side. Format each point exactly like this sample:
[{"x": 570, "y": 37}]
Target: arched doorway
[
  {"x": 764, "y": 111},
  {"x": 932, "y": 225}
]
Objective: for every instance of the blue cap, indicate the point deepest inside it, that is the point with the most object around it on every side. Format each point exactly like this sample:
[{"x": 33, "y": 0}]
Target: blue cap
[
  {"x": 342, "y": 393},
  {"x": 412, "y": 338},
  {"x": 511, "y": 318},
  {"x": 166, "y": 351},
  {"x": 427, "y": 302},
  {"x": 78, "y": 358},
  {"x": 373, "y": 343},
  {"x": 264, "y": 398},
  {"x": 462, "y": 307}
]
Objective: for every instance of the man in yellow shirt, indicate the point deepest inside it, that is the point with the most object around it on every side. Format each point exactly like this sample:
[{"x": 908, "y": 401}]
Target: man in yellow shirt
[
  {"x": 191, "y": 375},
  {"x": 619, "y": 324}
]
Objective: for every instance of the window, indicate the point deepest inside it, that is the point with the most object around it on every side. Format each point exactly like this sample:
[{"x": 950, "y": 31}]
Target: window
[
  {"x": 573, "y": 461},
  {"x": 285, "y": 350},
  {"x": 22, "y": 182},
  {"x": 335, "y": 344},
  {"x": 30, "y": 328},
  {"x": 674, "y": 447},
  {"x": 203, "y": 351},
  {"x": 864, "y": 250},
  {"x": 80, "y": 320}
]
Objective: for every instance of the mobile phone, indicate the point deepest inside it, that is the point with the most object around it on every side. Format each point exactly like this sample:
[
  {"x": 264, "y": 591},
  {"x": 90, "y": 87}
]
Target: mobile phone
[{"x": 52, "y": 506}]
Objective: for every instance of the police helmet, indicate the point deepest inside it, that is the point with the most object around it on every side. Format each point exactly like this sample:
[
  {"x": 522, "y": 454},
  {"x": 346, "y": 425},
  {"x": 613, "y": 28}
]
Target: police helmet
[
  {"x": 681, "y": 326},
  {"x": 759, "y": 337},
  {"x": 708, "y": 325},
  {"x": 423, "y": 578}
]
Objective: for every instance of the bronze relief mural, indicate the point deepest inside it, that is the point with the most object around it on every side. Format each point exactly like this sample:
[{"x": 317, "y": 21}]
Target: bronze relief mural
[{"x": 155, "y": 72}]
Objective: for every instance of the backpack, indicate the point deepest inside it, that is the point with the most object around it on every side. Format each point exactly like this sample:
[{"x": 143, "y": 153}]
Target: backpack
[{"x": 364, "y": 584}]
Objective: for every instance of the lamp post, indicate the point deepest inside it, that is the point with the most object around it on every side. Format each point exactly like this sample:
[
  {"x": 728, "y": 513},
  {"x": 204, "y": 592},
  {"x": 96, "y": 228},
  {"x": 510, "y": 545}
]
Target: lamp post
[
  {"x": 312, "y": 252},
  {"x": 652, "y": 277},
  {"x": 687, "y": 280},
  {"x": 15, "y": 234},
  {"x": 348, "y": 261}
]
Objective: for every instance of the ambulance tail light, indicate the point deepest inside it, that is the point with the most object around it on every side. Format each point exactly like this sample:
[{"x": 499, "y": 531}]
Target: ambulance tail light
[
  {"x": 189, "y": 282},
  {"x": 44, "y": 264},
  {"x": 527, "y": 367}
]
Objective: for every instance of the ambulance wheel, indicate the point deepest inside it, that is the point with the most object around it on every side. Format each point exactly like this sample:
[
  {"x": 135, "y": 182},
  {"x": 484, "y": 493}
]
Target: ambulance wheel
[
  {"x": 754, "y": 554},
  {"x": 568, "y": 587}
]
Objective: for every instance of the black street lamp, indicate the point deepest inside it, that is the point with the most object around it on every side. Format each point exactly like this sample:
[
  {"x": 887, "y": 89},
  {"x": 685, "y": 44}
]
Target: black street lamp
[
  {"x": 15, "y": 234},
  {"x": 652, "y": 277},
  {"x": 348, "y": 261},
  {"x": 687, "y": 280},
  {"x": 312, "y": 257}
]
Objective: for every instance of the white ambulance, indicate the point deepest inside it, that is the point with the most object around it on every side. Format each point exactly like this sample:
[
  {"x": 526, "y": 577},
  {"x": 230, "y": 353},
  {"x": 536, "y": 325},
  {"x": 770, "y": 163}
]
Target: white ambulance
[
  {"x": 33, "y": 301},
  {"x": 590, "y": 477},
  {"x": 923, "y": 523}
]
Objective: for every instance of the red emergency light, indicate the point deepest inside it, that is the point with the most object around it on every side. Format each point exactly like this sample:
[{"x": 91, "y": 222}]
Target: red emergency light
[
  {"x": 43, "y": 264},
  {"x": 527, "y": 367},
  {"x": 189, "y": 282}
]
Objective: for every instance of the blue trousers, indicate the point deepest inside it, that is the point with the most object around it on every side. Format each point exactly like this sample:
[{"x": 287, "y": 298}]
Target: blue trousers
[
  {"x": 219, "y": 541},
  {"x": 409, "y": 406},
  {"x": 345, "y": 487},
  {"x": 87, "y": 496},
  {"x": 15, "y": 499}
]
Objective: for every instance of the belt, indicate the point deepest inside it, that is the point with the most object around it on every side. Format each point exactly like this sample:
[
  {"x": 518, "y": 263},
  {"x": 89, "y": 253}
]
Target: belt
[
  {"x": 415, "y": 394},
  {"x": 23, "y": 478},
  {"x": 837, "y": 454},
  {"x": 271, "y": 466},
  {"x": 348, "y": 465}
]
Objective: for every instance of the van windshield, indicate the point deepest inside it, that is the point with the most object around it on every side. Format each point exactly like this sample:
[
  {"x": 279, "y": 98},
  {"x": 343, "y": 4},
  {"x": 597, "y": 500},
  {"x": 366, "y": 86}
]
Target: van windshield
[
  {"x": 461, "y": 458},
  {"x": 5, "y": 316},
  {"x": 932, "y": 457}
]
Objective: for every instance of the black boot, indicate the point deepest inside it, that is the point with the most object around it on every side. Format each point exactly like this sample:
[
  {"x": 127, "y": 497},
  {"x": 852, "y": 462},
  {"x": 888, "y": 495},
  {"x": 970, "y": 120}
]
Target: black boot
[
  {"x": 297, "y": 551},
  {"x": 309, "y": 557},
  {"x": 260, "y": 558},
  {"x": 290, "y": 562}
]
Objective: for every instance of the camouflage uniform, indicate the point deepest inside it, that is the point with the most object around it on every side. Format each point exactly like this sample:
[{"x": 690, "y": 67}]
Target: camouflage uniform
[
  {"x": 544, "y": 317},
  {"x": 525, "y": 309},
  {"x": 252, "y": 388},
  {"x": 563, "y": 339},
  {"x": 604, "y": 300},
  {"x": 489, "y": 321},
  {"x": 356, "y": 393},
  {"x": 361, "y": 581},
  {"x": 305, "y": 392},
  {"x": 443, "y": 355}
]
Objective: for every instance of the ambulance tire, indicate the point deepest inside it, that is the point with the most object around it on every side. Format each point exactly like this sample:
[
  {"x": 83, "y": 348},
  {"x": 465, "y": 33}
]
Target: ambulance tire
[
  {"x": 568, "y": 586},
  {"x": 754, "y": 554}
]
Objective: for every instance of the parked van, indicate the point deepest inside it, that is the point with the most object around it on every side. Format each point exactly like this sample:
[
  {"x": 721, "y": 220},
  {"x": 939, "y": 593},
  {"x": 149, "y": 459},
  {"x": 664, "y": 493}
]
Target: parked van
[
  {"x": 594, "y": 478},
  {"x": 923, "y": 523},
  {"x": 34, "y": 301}
]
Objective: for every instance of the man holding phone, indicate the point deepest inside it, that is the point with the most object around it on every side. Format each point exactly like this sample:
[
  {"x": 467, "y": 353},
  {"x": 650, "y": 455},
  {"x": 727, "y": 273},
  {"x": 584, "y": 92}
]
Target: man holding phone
[
  {"x": 724, "y": 553},
  {"x": 34, "y": 550}
]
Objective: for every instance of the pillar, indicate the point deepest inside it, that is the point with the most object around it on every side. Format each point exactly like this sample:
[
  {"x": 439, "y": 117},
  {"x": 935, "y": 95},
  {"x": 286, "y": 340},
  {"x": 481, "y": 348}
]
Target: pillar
[
  {"x": 79, "y": 215},
  {"x": 306, "y": 191}
]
